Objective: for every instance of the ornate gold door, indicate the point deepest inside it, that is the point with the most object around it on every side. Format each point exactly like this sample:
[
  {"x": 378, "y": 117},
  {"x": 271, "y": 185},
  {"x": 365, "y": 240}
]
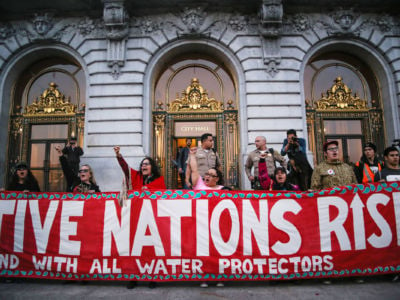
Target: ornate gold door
[
  {"x": 343, "y": 116},
  {"x": 48, "y": 121},
  {"x": 194, "y": 113}
]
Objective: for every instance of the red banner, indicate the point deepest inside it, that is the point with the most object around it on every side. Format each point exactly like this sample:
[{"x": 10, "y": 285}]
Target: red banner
[{"x": 201, "y": 235}]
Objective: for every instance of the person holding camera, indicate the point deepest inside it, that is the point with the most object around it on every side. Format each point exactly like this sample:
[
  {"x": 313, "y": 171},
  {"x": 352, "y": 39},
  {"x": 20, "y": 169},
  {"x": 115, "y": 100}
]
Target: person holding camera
[
  {"x": 73, "y": 153},
  {"x": 300, "y": 170}
]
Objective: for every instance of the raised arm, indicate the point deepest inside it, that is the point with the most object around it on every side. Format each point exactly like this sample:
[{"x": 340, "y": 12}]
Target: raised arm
[
  {"x": 193, "y": 166},
  {"x": 122, "y": 162},
  {"x": 68, "y": 173}
]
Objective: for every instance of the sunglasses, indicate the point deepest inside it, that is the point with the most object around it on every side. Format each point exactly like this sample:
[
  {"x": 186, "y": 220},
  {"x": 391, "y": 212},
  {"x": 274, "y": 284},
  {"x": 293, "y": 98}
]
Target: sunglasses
[
  {"x": 84, "y": 171},
  {"x": 22, "y": 168}
]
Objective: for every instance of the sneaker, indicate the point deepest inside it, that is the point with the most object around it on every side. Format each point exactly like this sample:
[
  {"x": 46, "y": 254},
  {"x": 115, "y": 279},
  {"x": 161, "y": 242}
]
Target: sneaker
[
  {"x": 204, "y": 284},
  {"x": 220, "y": 284},
  {"x": 327, "y": 282},
  {"x": 360, "y": 280}
]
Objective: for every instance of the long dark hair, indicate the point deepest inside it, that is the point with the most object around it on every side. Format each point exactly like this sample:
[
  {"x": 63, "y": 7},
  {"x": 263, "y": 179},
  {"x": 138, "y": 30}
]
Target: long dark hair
[
  {"x": 29, "y": 180},
  {"x": 220, "y": 176},
  {"x": 155, "y": 170}
]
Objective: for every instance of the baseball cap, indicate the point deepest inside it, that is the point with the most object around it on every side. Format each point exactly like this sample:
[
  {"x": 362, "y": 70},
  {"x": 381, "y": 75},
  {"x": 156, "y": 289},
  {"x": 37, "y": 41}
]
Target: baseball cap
[{"x": 326, "y": 144}]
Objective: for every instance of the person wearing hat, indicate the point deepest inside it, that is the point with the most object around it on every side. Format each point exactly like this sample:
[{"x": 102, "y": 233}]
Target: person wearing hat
[
  {"x": 23, "y": 179},
  {"x": 280, "y": 182},
  {"x": 73, "y": 153},
  {"x": 332, "y": 172},
  {"x": 369, "y": 164}
]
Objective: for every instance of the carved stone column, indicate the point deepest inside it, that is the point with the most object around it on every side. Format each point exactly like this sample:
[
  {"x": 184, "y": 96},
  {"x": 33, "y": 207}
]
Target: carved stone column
[
  {"x": 117, "y": 30},
  {"x": 270, "y": 29},
  {"x": 231, "y": 149},
  {"x": 159, "y": 139}
]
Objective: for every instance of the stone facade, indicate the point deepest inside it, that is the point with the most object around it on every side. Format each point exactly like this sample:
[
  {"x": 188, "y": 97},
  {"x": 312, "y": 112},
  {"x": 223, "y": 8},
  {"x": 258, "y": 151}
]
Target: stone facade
[{"x": 266, "y": 50}]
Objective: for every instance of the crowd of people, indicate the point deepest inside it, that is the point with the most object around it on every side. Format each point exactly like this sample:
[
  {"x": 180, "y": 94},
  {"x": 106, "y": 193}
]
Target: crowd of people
[{"x": 200, "y": 168}]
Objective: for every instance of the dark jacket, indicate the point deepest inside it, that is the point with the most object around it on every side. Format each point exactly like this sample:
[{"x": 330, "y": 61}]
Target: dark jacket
[
  {"x": 30, "y": 185},
  {"x": 74, "y": 183}
]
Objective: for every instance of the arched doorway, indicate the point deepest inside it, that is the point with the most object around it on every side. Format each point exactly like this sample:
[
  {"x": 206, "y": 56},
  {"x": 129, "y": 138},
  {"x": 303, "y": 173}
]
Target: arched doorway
[
  {"x": 195, "y": 96},
  {"x": 343, "y": 103},
  {"x": 48, "y": 105}
]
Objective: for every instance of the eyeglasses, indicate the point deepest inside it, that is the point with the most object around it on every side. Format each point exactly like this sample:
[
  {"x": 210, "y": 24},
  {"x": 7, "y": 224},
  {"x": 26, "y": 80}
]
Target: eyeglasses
[
  {"x": 333, "y": 149},
  {"x": 145, "y": 164},
  {"x": 211, "y": 175},
  {"x": 83, "y": 170}
]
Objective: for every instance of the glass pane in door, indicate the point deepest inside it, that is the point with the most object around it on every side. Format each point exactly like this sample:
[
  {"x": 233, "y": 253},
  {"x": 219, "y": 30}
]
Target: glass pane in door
[
  {"x": 354, "y": 149},
  {"x": 49, "y": 131},
  {"x": 56, "y": 181},
  {"x": 342, "y": 127},
  {"x": 39, "y": 175},
  {"x": 38, "y": 154}
]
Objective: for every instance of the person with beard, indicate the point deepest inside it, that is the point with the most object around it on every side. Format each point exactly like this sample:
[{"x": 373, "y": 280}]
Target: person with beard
[{"x": 332, "y": 172}]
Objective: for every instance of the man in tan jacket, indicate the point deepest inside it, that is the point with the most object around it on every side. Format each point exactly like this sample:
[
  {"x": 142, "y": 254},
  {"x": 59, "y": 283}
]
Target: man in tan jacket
[
  {"x": 254, "y": 158},
  {"x": 332, "y": 172}
]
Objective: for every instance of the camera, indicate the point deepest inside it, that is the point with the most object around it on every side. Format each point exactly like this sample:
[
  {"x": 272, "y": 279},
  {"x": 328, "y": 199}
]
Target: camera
[
  {"x": 295, "y": 139},
  {"x": 396, "y": 143}
]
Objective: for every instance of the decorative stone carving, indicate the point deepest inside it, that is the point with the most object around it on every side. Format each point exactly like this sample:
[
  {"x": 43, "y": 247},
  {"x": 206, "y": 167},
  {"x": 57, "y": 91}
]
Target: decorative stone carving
[
  {"x": 271, "y": 18},
  {"x": 148, "y": 25},
  {"x": 44, "y": 27},
  {"x": 238, "y": 22},
  {"x": 345, "y": 18},
  {"x": 193, "y": 18},
  {"x": 43, "y": 23},
  {"x": 195, "y": 99},
  {"x": 385, "y": 23},
  {"x": 301, "y": 22},
  {"x": 6, "y": 31},
  {"x": 342, "y": 22},
  {"x": 87, "y": 26},
  {"x": 270, "y": 29},
  {"x": 117, "y": 29},
  {"x": 339, "y": 97},
  {"x": 52, "y": 101}
]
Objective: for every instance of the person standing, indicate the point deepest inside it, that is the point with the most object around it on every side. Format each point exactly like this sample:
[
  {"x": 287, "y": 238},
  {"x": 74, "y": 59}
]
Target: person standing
[
  {"x": 206, "y": 157},
  {"x": 73, "y": 153},
  {"x": 182, "y": 161},
  {"x": 299, "y": 167},
  {"x": 369, "y": 164},
  {"x": 85, "y": 182},
  {"x": 332, "y": 172},
  {"x": 391, "y": 171},
  {"x": 254, "y": 157}
]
